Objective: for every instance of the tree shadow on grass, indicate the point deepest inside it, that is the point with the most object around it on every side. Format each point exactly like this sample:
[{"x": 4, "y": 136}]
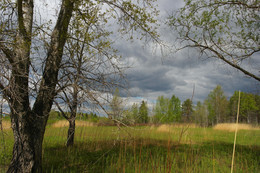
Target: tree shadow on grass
[{"x": 147, "y": 155}]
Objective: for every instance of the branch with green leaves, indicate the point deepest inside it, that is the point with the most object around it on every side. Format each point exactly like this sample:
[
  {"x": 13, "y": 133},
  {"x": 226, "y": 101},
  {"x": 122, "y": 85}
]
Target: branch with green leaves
[{"x": 227, "y": 30}]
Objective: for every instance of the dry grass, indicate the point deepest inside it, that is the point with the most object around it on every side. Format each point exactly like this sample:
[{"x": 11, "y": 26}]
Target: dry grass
[
  {"x": 170, "y": 128},
  {"x": 6, "y": 124},
  {"x": 65, "y": 123},
  {"x": 232, "y": 127}
]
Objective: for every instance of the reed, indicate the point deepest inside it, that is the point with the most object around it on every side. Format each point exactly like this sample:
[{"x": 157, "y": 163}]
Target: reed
[
  {"x": 233, "y": 126},
  {"x": 65, "y": 123},
  {"x": 6, "y": 125}
]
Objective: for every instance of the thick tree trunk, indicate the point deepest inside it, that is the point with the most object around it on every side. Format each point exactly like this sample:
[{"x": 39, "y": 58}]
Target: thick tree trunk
[
  {"x": 29, "y": 124},
  {"x": 27, "y": 150}
]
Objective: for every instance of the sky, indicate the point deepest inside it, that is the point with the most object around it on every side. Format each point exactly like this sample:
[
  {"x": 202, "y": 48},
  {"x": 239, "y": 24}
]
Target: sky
[{"x": 154, "y": 74}]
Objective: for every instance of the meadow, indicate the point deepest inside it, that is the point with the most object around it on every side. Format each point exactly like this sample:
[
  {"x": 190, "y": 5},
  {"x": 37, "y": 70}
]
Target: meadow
[{"x": 140, "y": 149}]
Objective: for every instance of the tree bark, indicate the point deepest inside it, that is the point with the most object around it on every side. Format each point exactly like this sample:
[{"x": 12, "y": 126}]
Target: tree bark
[
  {"x": 73, "y": 114},
  {"x": 29, "y": 124},
  {"x": 71, "y": 133},
  {"x": 27, "y": 150}
]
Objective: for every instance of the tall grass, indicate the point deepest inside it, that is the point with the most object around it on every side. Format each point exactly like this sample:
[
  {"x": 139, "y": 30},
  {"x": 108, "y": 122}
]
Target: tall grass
[{"x": 146, "y": 149}]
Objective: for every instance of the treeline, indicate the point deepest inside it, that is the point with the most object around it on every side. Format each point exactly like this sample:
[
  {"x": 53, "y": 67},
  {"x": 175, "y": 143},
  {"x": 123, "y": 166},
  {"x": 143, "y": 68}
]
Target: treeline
[
  {"x": 93, "y": 117},
  {"x": 216, "y": 108}
]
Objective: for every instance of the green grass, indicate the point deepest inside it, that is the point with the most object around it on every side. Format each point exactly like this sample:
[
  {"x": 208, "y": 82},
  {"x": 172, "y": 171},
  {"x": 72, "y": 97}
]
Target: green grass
[{"x": 143, "y": 149}]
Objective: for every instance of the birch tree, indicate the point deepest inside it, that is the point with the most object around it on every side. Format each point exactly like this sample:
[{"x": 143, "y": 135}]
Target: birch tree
[{"x": 90, "y": 71}]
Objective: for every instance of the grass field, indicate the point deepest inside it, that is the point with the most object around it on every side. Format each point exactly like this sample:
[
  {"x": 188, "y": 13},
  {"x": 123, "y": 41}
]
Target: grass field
[{"x": 179, "y": 148}]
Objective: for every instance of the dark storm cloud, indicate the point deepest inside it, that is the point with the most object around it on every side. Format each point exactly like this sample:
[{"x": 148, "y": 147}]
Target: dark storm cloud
[{"x": 154, "y": 74}]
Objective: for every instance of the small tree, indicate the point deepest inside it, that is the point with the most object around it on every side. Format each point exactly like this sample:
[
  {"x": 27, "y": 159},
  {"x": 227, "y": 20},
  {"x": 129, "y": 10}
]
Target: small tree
[
  {"x": 143, "y": 113},
  {"x": 161, "y": 110},
  {"x": 187, "y": 110},
  {"x": 174, "y": 109},
  {"x": 217, "y": 105},
  {"x": 117, "y": 108},
  {"x": 135, "y": 113},
  {"x": 89, "y": 69},
  {"x": 200, "y": 114}
]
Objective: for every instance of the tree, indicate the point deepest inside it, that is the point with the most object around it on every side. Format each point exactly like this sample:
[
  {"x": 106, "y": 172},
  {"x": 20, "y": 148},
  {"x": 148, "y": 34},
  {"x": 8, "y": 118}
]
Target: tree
[
  {"x": 174, "y": 109},
  {"x": 117, "y": 108},
  {"x": 247, "y": 106},
  {"x": 222, "y": 29},
  {"x": 257, "y": 100},
  {"x": 134, "y": 113},
  {"x": 88, "y": 70},
  {"x": 187, "y": 110},
  {"x": 143, "y": 113},
  {"x": 161, "y": 110},
  {"x": 217, "y": 105},
  {"x": 30, "y": 103},
  {"x": 200, "y": 114},
  {"x": 167, "y": 110}
]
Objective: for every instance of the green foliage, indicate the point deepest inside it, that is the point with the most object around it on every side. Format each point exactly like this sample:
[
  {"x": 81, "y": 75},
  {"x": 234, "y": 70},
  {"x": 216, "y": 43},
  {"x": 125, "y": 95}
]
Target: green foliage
[
  {"x": 116, "y": 106},
  {"x": 55, "y": 115},
  {"x": 217, "y": 106},
  {"x": 174, "y": 109},
  {"x": 248, "y": 105},
  {"x": 161, "y": 109},
  {"x": 135, "y": 112},
  {"x": 167, "y": 110},
  {"x": 200, "y": 115},
  {"x": 187, "y": 110},
  {"x": 143, "y": 113}
]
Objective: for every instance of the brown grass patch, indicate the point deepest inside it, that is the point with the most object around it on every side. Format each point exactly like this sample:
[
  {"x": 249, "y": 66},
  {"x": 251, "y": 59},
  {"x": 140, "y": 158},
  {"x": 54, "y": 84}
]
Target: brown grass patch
[
  {"x": 232, "y": 127},
  {"x": 6, "y": 125},
  {"x": 65, "y": 123},
  {"x": 170, "y": 127}
]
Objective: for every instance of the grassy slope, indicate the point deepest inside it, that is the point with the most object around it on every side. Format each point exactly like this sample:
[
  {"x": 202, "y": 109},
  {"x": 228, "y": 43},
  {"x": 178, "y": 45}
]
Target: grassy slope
[{"x": 144, "y": 149}]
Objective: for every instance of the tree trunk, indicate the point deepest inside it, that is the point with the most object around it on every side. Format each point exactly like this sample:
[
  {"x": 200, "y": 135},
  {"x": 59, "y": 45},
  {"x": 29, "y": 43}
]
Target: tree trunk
[
  {"x": 27, "y": 150},
  {"x": 29, "y": 124},
  {"x": 71, "y": 133},
  {"x": 73, "y": 114}
]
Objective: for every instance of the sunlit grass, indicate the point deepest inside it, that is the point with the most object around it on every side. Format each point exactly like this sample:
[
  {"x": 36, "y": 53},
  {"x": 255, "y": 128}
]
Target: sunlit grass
[
  {"x": 233, "y": 126},
  {"x": 143, "y": 149}
]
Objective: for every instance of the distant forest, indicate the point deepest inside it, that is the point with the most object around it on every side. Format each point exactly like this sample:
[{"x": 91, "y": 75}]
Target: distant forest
[{"x": 216, "y": 108}]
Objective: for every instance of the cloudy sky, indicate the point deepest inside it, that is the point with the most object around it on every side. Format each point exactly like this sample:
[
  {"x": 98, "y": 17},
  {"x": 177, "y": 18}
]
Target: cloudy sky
[{"x": 154, "y": 74}]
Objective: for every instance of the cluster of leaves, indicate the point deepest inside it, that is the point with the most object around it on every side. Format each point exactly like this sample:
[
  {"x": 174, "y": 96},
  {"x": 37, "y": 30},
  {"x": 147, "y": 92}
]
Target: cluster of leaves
[
  {"x": 167, "y": 110},
  {"x": 139, "y": 115}
]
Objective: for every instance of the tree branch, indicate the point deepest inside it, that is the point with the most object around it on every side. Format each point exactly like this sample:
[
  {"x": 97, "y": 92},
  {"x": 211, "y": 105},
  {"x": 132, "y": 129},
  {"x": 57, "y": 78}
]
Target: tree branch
[
  {"x": 8, "y": 53},
  {"x": 50, "y": 74},
  {"x": 227, "y": 61},
  {"x": 62, "y": 112}
]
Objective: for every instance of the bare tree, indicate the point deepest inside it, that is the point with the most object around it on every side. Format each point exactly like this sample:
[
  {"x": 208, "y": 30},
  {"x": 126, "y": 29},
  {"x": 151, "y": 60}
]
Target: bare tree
[{"x": 19, "y": 35}]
